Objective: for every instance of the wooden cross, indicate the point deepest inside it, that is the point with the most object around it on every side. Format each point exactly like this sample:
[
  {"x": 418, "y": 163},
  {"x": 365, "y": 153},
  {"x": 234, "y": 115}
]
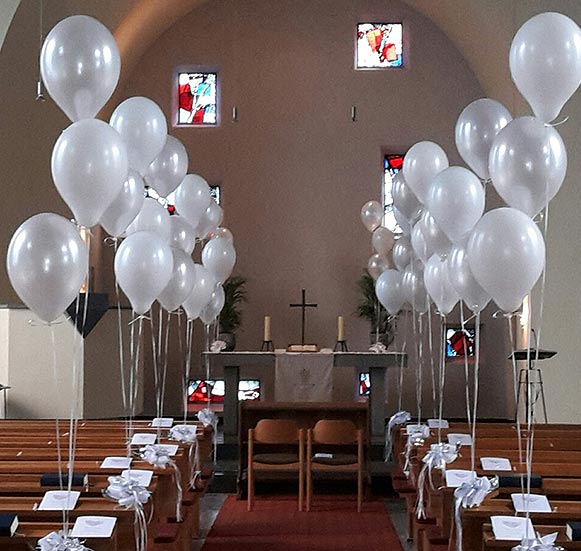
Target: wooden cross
[{"x": 304, "y": 307}]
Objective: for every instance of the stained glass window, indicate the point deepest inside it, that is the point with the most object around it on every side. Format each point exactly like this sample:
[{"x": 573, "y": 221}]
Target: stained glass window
[
  {"x": 248, "y": 389},
  {"x": 379, "y": 45},
  {"x": 364, "y": 384},
  {"x": 459, "y": 342},
  {"x": 392, "y": 164},
  {"x": 197, "y": 99}
]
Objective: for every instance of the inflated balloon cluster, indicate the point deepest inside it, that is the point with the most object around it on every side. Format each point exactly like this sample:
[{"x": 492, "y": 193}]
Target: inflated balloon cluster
[
  {"x": 450, "y": 249},
  {"x": 101, "y": 170}
]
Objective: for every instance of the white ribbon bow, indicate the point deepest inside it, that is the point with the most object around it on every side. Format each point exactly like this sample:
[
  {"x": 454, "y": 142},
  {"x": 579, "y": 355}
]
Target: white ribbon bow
[
  {"x": 468, "y": 495},
  {"x": 415, "y": 439},
  {"x": 398, "y": 418},
  {"x": 58, "y": 541},
  {"x": 217, "y": 346},
  {"x": 437, "y": 457},
  {"x": 545, "y": 543},
  {"x": 184, "y": 433}
]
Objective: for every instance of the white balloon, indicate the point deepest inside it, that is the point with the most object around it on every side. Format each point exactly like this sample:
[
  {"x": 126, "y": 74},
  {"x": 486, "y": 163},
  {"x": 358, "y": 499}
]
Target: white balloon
[
  {"x": 382, "y": 240},
  {"x": 476, "y": 128},
  {"x": 212, "y": 310},
  {"x": 181, "y": 283},
  {"x": 438, "y": 285},
  {"x": 47, "y": 263},
  {"x": 210, "y": 220},
  {"x": 545, "y": 62},
  {"x": 80, "y": 66},
  {"x": 89, "y": 167},
  {"x": 371, "y": 215},
  {"x": 419, "y": 244},
  {"x": 456, "y": 201},
  {"x": 152, "y": 217},
  {"x": 143, "y": 267},
  {"x": 404, "y": 199},
  {"x": 460, "y": 274},
  {"x": 192, "y": 198},
  {"x": 182, "y": 234},
  {"x": 377, "y": 264},
  {"x": 219, "y": 257},
  {"x": 436, "y": 239},
  {"x": 223, "y": 233},
  {"x": 142, "y": 125},
  {"x": 402, "y": 222},
  {"x": 422, "y": 162},
  {"x": 402, "y": 253},
  {"x": 506, "y": 253},
  {"x": 528, "y": 163},
  {"x": 389, "y": 291},
  {"x": 169, "y": 168},
  {"x": 204, "y": 285},
  {"x": 125, "y": 207},
  {"x": 414, "y": 289}
]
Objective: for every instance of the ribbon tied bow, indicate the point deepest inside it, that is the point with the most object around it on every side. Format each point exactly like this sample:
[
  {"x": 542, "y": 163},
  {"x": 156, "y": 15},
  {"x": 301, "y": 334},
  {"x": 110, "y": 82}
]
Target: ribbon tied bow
[
  {"x": 544, "y": 543},
  {"x": 58, "y": 541}
]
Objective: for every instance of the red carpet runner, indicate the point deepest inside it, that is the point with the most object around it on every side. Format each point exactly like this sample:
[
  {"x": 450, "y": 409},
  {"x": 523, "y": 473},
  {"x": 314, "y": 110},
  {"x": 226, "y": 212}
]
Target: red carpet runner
[{"x": 275, "y": 525}]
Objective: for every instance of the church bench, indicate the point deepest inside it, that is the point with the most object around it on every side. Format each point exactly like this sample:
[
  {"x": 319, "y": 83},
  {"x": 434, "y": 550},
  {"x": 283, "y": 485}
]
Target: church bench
[{"x": 490, "y": 542}]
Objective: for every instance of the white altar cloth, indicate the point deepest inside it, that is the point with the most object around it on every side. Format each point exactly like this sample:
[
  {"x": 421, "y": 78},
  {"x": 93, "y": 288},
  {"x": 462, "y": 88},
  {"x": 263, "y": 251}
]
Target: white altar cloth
[{"x": 303, "y": 376}]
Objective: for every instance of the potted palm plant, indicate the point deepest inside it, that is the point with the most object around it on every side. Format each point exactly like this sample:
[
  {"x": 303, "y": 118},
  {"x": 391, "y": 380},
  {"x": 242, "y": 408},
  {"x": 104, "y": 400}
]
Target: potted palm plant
[
  {"x": 231, "y": 316},
  {"x": 369, "y": 308}
]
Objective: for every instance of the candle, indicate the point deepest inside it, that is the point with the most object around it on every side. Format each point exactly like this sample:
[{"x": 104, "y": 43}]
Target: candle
[
  {"x": 267, "y": 328},
  {"x": 340, "y": 329}
]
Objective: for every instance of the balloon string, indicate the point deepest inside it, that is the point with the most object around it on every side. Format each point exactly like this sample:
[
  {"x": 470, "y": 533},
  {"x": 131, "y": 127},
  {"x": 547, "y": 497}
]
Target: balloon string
[
  {"x": 188, "y": 363},
  {"x": 476, "y": 384},
  {"x": 432, "y": 363},
  {"x": 156, "y": 372},
  {"x": 509, "y": 319},
  {"x": 442, "y": 375},
  {"x": 57, "y": 419},
  {"x": 466, "y": 370},
  {"x": 419, "y": 386},
  {"x": 400, "y": 367},
  {"x": 131, "y": 383},
  {"x": 165, "y": 362}
]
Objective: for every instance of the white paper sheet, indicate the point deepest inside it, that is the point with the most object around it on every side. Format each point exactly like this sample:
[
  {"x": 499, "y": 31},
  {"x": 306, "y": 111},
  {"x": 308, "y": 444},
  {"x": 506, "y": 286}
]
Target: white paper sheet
[
  {"x": 511, "y": 528},
  {"x": 495, "y": 464},
  {"x": 59, "y": 500},
  {"x": 142, "y": 477},
  {"x": 162, "y": 422},
  {"x": 143, "y": 438},
  {"x": 464, "y": 439},
  {"x": 438, "y": 424},
  {"x": 93, "y": 527},
  {"x": 170, "y": 449},
  {"x": 413, "y": 429},
  {"x": 116, "y": 463},
  {"x": 457, "y": 477},
  {"x": 536, "y": 503}
]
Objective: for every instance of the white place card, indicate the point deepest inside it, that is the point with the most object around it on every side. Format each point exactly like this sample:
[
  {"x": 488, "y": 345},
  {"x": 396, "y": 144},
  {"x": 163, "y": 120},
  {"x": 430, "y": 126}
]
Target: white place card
[
  {"x": 143, "y": 438},
  {"x": 457, "y": 477},
  {"x": 120, "y": 463},
  {"x": 59, "y": 500},
  {"x": 536, "y": 503},
  {"x": 323, "y": 456},
  {"x": 464, "y": 439},
  {"x": 162, "y": 422},
  {"x": 495, "y": 464},
  {"x": 142, "y": 477},
  {"x": 413, "y": 429},
  {"x": 170, "y": 449},
  {"x": 512, "y": 528},
  {"x": 438, "y": 424},
  {"x": 93, "y": 527}
]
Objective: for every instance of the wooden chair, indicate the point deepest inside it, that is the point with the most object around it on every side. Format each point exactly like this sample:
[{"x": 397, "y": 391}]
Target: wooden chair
[
  {"x": 335, "y": 433},
  {"x": 283, "y": 433}
]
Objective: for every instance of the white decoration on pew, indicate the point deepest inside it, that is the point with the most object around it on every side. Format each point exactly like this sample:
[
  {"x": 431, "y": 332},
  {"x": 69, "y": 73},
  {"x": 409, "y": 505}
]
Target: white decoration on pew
[
  {"x": 468, "y": 495},
  {"x": 188, "y": 435},
  {"x": 438, "y": 456},
  {"x": 398, "y": 418},
  {"x": 545, "y": 543},
  {"x": 58, "y": 541}
]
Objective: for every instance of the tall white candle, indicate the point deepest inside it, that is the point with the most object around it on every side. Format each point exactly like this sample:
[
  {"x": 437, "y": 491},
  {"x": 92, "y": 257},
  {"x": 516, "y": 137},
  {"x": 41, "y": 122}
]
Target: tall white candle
[
  {"x": 340, "y": 328},
  {"x": 267, "y": 328}
]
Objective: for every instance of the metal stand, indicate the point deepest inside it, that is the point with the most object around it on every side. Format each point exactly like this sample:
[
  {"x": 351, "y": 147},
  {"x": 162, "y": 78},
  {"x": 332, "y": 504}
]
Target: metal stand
[
  {"x": 341, "y": 346},
  {"x": 4, "y": 388},
  {"x": 267, "y": 346}
]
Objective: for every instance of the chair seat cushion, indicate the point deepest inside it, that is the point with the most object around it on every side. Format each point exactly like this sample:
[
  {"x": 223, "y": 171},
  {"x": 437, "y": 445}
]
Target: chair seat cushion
[
  {"x": 337, "y": 459},
  {"x": 276, "y": 458}
]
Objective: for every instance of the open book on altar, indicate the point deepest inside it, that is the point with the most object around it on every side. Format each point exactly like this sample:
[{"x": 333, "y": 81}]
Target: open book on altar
[{"x": 302, "y": 348}]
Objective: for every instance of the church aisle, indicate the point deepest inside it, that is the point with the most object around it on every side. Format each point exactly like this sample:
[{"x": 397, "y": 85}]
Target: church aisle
[{"x": 332, "y": 525}]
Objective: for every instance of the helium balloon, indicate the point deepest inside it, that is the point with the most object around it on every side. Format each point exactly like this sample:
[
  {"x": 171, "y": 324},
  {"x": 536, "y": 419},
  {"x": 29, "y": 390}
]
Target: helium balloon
[
  {"x": 404, "y": 225},
  {"x": 456, "y": 201},
  {"x": 389, "y": 291},
  {"x": 414, "y": 289},
  {"x": 436, "y": 239},
  {"x": 419, "y": 244},
  {"x": 545, "y": 62},
  {"x": 528, "y": 163},
  {"x": 142, "y": 125},
  {"x": 192, "y": 198},
  {"x": 89, "y": 167},
  {"x": 422, "y": 162},
  {"x": 80, "y": 66},
  {"x": 125, "y": 207},
  {"x": 181, "y": 283},
  {"x": 152, "y": 217},
  {"x": 371, "y": 215},
  {"x": 382, "y": 240},
  {"x": 402, "y": 253},
  {"x": 47, "y": 263},
  {"x": 204, "y": 285},
  {"x": 212, "y": 310},
  {"x": 377, "y": 265},
  {"x": 182, "y": 234},
  {"x": 143, "y": 267},
  {"x": 476, "y": 128},
  {"x": 460, "y": 274},
  {"x": 506, "y": 254},
  {"x": 210, "y": 220},
  {"x": 438, "y": 285},
  {"x": 404, "y": 199},
  {"x": 169, "y": 168},
  {"x": 219, "y": 257},
  {"x": 223, "y": 233}
]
